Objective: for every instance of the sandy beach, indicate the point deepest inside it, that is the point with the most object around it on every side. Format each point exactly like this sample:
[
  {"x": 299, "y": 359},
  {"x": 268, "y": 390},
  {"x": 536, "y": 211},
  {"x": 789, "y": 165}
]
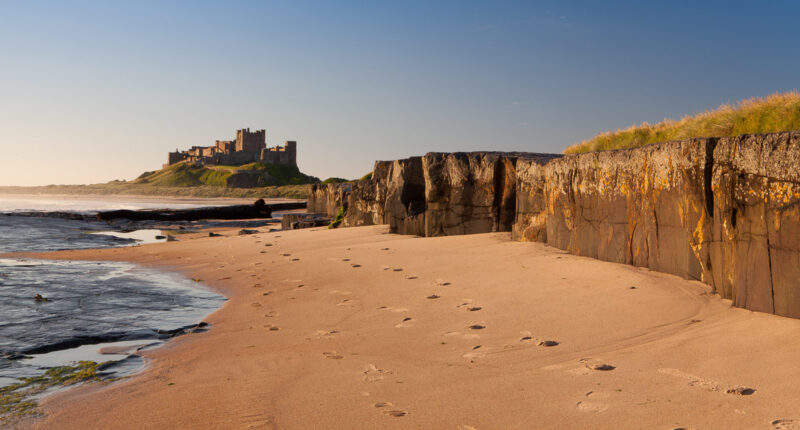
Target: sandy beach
[{"x": 360, "y": 329}]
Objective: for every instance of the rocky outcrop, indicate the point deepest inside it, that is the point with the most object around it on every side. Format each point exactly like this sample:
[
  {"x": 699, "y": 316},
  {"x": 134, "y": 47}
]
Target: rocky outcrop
[
  {"x": 259, "y": 209},
  {"x": 755, "y": 254},
  {"x": 363, "y": 201},
  {"x": 300, "y": 221},
  {"x": 467, "y": 193},
  {"x": 328, "y": 198},
  {"x": 366, "y": 201},
  {"x": 722, "y": 211},
  {"x": 646, "y": 206}
]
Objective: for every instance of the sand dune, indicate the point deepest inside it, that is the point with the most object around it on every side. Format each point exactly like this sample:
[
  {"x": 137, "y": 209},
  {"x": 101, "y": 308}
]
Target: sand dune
[{"x": 360, "y": 329}]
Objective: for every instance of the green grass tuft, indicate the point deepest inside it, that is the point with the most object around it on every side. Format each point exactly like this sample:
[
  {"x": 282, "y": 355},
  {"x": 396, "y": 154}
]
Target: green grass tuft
[
  {"x": 338, "y": 219},
  {"x": 334, "y": 180},
  {"x": 771, "y": 114}
]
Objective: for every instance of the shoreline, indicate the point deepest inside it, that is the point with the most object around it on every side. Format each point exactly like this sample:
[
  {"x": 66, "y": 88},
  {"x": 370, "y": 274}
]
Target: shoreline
[
  {"x": 356, "y": 328},
  {"x": 146, "y": 198}
]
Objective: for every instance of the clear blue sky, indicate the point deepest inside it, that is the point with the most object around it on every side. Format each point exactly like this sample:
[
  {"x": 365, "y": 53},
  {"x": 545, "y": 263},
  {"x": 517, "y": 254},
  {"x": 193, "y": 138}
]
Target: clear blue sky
[{"x": 92, "y": 91}]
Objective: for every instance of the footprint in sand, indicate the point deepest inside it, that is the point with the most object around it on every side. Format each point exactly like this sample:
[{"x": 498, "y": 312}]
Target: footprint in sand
[
  {"x": 271, "y": 327},
  {"x": 332, "y": 355},
  {"x": 295, "y": 259},
  {"x": 477, "y": 326},
  {"x": 601, "y": 366},
  {"x": 373, "y": 374},
  {"x": 785, "y": 424},
  {"x": 589, "y": 365},
  {"x": 286, "y": 255},
  {"x": 395, "y": 310},
  {"x": 591, "y": 407},
  {"x": 258, "y": 421},
  {"x": 411, "y": 277},
  {"x": 708, "y": 384},
  {"x": 271, "y": 314},
  {"x": 474, "y": 353},
  {"x": 387, "y": 408},
  {"x": 433, "y": 296},
  {"x": 384, "y": 249},
  {"x": 592, "y": 402},
  {"x": 397, "y": 269},
  {"x": 325, "y": 333},
  {"x": 474, "y": 308},
  {"x": 405, "y": 323},
  {"x": 440, "y": 283},
  {"x": 741, "y": 391},
  {"x": 345, "y": 259},
  {"x": 355, "y": 265},
  {"x": 549, "y": 343},
  {"x": 466, "y": 302},
  {"x": 465, "y": 427}
]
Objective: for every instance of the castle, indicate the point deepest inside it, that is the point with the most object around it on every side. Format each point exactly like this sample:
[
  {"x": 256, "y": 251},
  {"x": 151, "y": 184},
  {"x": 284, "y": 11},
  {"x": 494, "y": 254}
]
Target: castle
[{"x": 249, "y": 147}]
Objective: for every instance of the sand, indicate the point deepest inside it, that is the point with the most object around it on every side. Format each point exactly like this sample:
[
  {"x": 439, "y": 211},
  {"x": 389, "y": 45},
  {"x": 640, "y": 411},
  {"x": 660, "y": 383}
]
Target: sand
[{"x": 360, "y": 329}]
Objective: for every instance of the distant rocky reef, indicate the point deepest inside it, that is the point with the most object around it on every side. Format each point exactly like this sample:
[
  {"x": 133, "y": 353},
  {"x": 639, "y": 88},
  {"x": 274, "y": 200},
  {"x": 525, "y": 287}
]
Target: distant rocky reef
[{"x": 724, "y": 211}]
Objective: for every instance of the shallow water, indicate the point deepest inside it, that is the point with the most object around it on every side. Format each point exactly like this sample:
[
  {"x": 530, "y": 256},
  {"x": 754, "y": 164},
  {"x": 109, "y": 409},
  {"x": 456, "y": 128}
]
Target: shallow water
[
  {"x": 79, "y": 204},
  {"x": 85, "y": 305}
]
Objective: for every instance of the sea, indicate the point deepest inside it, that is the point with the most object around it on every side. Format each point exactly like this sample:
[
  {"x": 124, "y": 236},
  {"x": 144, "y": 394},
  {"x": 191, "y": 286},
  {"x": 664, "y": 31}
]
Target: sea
[{"x": 56, "y": 313}]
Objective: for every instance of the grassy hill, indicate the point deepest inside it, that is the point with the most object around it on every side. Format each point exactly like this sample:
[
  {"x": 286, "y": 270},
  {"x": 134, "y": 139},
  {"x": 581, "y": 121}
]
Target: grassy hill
[
  {"x": 774, "y": 113},
  {"x": 247, "y": 176},
  {"x": 255, "y": 180}
]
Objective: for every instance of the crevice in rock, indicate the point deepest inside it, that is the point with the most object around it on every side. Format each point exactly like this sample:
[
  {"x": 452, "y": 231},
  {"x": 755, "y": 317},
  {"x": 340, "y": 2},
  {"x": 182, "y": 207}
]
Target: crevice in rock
[
  {"x": 708, "y": 173},
  {"x": 769, "y": 262}
]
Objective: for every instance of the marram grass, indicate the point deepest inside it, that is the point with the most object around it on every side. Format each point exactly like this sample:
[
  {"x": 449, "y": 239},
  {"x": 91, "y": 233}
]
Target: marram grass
[{"x": 774, "y": 113}]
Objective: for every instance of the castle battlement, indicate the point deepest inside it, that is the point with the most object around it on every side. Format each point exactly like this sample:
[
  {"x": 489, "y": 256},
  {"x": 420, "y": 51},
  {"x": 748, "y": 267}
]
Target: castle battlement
[{"x": 248, "y": 147}]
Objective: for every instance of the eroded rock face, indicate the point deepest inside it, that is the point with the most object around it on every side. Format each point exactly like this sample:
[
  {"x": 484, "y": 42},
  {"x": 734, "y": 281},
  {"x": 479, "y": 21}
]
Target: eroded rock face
[
  {"x": 404, "y": 207},
  {"x": 328, "y": 198},
  {"x": 756, "y": 223},
  {"x": 644, "y": 206},
  {"x": 723, "y": 211},
  {"x": 460, "y": 193},
  {"x": 366, "y": 200}
]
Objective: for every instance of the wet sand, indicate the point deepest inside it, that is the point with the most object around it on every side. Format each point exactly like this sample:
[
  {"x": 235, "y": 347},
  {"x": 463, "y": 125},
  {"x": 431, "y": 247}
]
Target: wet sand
[{"x": 359, "y": 329}]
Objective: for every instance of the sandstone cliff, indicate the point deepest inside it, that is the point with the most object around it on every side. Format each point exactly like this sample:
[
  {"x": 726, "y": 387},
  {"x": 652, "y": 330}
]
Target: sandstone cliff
[{"x": 722, "y": 211}]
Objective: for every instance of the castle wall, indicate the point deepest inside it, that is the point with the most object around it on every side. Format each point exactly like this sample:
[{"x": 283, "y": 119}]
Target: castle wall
[
  {"x": 285, "y": 155},
  {"x": 226, "y": 152}
]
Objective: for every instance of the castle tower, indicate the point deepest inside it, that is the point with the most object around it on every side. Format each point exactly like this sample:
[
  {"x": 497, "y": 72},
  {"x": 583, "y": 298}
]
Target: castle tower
[
  {"x": 291, "y": 152},
  {"x": 251, "y": 142}
]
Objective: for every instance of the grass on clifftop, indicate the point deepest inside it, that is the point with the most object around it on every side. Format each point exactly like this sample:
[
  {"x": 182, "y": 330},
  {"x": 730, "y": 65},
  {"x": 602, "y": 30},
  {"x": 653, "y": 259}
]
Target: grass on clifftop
[{"x": 774, "y": 113}]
